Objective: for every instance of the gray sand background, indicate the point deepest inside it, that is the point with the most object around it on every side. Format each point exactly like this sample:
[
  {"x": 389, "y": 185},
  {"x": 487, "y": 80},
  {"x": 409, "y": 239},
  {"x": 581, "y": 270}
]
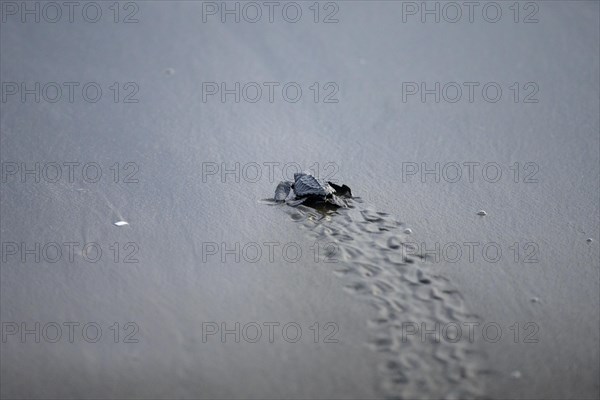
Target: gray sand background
[{"x": 368, "y": 135}]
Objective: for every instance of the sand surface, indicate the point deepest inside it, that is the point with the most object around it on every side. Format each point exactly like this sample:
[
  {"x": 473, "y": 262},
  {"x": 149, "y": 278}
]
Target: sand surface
[{"x": 176, "y": 141}]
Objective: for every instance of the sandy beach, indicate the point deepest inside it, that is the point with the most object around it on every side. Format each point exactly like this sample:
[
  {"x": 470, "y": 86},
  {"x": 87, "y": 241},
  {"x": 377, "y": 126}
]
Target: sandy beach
[{"x": 142, "y": 254}]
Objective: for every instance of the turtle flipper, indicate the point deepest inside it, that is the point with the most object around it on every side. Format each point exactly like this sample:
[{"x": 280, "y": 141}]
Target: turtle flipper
[
  {"x": 343, "y": 190},
  {"x": 282, "y": 191},
  {"x": 337, "y": 201},
  {"x": 296, "y": 202}
]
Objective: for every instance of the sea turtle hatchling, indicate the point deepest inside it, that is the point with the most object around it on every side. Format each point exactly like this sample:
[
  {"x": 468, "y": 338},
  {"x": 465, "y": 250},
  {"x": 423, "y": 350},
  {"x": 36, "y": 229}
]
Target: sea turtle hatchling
[{"x": 309, "y": 190}]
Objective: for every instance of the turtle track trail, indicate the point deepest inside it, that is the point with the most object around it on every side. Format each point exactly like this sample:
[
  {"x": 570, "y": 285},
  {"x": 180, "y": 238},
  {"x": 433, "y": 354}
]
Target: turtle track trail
[{"x": 368, "y": 248}]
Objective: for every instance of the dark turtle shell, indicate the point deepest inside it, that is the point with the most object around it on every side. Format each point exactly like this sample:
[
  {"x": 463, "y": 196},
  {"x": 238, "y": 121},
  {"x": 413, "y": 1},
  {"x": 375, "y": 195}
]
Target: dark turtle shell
[{"x": 307, "y": 185}]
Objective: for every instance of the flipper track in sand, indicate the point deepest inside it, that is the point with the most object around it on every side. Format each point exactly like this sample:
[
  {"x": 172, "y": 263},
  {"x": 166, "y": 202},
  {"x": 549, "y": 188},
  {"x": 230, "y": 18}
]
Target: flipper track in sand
[{"x": 373, "y": 267}]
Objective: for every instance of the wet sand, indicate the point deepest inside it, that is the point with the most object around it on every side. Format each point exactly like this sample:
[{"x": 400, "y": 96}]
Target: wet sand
[{"x": 185, "y": 212}]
